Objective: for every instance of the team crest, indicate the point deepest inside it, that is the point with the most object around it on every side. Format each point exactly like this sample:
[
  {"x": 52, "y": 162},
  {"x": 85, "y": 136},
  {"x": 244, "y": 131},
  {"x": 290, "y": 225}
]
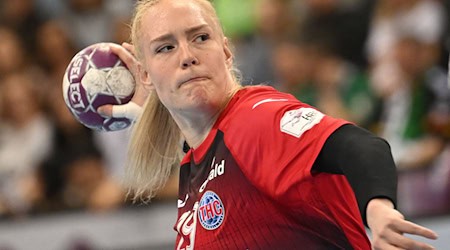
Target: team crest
[{"x": 211, "y": 211}]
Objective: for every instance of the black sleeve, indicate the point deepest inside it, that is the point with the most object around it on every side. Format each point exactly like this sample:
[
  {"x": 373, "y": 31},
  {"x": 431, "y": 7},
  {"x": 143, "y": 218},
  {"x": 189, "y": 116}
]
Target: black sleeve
[{"x": 365, "y": 160}]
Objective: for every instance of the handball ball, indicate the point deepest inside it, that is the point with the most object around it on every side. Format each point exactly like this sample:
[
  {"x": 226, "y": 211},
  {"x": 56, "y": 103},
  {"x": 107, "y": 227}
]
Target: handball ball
[{"x": 94, "y": 77}]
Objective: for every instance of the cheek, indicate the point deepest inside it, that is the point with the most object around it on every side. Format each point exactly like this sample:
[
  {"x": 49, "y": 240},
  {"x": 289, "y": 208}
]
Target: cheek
[
  {"x": 164, "y": 96},
  {"x": 158, "y": 74},
  {"x": 218, "y": 64},
  {"x": 163, "y": 88}
]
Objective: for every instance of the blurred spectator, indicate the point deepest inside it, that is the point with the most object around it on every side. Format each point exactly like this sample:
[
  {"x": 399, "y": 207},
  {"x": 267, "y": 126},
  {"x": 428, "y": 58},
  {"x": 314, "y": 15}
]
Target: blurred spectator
[
  {"x": 344, "y": 90},
  {"x": 445, "y": 41},
  {"x": 253, "y": 30},
  {"x": 25, "y": 137},
  {"x": 113, "y": 146},
  {"x": 68, "y": 136},
  {"x": 88, "y": 185},
  {"x": 275, "y": 18},
  {"x": 413, "y": 97},
  {"x": 74, "y": 181},
  {"x": 21, "y": 16},
  {"x": 49, "y": 9},
  {"x": 404, "y": 51},
  {"x": 54, "y": 51},
  {"x": 310, "y": 68},
  {"x": 294, "y": 61},
  {"x": 121, "y": 12},
  {"x": 423, "y": 18},
  {"x": 416, "y": 108},
  {"x": 12, "y": 53},
  {"x": 345, "y": 23},
  {"x": 120, "y": 8},
  {"x": 89, "y": 22},
  {"x": 14, "y": 59}
]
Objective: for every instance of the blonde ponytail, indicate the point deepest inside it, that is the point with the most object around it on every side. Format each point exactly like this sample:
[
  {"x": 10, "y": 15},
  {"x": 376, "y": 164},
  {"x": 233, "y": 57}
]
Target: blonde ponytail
[{"x": 155, "y": 147}]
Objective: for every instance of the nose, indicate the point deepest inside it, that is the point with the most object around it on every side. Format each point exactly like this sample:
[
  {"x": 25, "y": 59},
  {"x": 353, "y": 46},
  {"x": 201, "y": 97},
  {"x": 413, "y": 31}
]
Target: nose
[{"x": 187, "y": 57}]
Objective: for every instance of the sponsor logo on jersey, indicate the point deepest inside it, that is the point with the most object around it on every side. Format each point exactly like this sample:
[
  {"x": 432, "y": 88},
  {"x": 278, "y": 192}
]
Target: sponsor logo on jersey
[
  {"x": 211, "y": 211},
  {"x": 217, "y": 169},
  {"x": 298, "y": 121}
]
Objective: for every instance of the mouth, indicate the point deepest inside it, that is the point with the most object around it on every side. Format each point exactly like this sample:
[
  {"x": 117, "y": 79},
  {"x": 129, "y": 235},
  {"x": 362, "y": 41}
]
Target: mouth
[{"x": 193, "y": 79}]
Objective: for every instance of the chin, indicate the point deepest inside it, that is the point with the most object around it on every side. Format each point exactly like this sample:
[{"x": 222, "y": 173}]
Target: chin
[
  {"x": 197, "y": 92},
  {"x": 198, "y": 98}
]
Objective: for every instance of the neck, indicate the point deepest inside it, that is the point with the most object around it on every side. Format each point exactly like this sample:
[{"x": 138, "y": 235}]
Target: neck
[
  {"x": 195, "y": 130},
  {"x": 196, "y": 125}
]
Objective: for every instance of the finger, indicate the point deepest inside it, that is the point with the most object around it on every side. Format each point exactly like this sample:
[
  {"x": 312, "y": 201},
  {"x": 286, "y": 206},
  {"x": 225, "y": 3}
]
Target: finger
[
  {"x": 129, "y": 110},
  {"x": 385, "y": 246},
  {"x": 399, "y": 240},
  {"x": 415, "y": 245},
  {"x": 105, "y": 110},
  {"x": 126, "y": 56},
  {"x": 130, "y": 48},
  {"x": 412, "y": 228}
]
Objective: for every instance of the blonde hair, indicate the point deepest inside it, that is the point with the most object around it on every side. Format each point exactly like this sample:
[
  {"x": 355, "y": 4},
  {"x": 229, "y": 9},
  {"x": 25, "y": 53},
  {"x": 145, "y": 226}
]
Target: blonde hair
[
  {"x": 156, "y": 142},
  {"x": 155, "y": 147},
  {"x": 143, "y": 5}
]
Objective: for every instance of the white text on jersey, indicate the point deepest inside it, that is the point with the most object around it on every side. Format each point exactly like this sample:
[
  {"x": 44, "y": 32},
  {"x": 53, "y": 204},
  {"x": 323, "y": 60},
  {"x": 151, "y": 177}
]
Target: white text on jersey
[
  {"x": 186, "y": 227},
  {"x": 217, "y": 169}
]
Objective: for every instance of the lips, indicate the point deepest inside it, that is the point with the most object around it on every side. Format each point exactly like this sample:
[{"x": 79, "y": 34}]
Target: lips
[{"x": 193, "y": 79}]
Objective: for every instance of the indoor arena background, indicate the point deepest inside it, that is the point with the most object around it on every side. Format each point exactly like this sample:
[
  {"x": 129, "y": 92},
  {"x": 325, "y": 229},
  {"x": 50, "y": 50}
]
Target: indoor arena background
[{"x": 382, "y": 64}]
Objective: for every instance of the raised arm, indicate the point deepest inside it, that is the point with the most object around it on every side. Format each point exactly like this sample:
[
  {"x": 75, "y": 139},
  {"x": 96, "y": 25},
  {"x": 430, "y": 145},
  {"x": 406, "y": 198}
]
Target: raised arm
[{"x": 366, "y": 161}]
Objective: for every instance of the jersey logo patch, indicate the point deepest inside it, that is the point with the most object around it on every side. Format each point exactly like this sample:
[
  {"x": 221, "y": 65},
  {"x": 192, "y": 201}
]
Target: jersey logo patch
[
  {"x": 296, "y": 122},
  {"x": 211, "y": 211}
]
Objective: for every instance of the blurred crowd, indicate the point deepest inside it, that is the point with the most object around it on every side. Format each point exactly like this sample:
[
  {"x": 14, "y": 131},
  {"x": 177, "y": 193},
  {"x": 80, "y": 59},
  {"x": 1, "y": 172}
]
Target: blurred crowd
[{"x": 380, "y": 64}]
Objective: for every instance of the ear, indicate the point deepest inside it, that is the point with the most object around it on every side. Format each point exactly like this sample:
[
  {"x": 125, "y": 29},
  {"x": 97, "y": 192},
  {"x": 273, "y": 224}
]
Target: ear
[
  {"x": 228, "y": 53},
  {"x": 144, "y": 78}
]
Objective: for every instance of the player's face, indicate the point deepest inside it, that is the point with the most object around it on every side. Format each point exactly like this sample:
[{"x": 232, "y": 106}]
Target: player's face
[{"x": 186, "y": 57}]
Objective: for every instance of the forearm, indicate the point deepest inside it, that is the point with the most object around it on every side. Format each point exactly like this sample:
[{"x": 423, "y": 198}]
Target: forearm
[{"x": 365, "y": 160}]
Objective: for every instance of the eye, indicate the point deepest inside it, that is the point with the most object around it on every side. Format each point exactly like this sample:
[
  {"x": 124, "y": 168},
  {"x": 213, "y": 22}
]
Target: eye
[
  {"x": 202, "y": 38},
  {"x": 164, "y": 49}
]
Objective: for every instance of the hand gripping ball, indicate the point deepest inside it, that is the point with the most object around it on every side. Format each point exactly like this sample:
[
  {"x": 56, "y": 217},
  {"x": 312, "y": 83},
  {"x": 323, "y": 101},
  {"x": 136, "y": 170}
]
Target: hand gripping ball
[{"x": 94, "y": 77}]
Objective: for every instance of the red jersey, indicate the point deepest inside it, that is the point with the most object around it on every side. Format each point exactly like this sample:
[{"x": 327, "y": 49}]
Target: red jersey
[{"x": 249, "y": 185}]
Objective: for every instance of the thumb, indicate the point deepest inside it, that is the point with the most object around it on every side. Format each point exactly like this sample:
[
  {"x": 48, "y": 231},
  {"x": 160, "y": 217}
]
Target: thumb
[{"x": 129, "y": 110}]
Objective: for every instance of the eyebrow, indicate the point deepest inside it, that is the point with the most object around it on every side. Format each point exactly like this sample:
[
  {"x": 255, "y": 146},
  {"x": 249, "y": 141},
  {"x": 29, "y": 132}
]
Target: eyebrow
[{"x": 188, "y": 31}]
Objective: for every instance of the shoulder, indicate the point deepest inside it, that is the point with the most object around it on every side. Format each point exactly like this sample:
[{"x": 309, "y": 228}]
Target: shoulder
[
  {"x": 258, "y": 95},
  {"x": 254, "y": 101},
  {"x": 262, "y": 113},
  {"x": 260, "y": 107}
]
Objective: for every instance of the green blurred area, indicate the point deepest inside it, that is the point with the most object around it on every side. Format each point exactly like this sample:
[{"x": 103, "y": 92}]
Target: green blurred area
[{"x": 237, "y": 16}]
